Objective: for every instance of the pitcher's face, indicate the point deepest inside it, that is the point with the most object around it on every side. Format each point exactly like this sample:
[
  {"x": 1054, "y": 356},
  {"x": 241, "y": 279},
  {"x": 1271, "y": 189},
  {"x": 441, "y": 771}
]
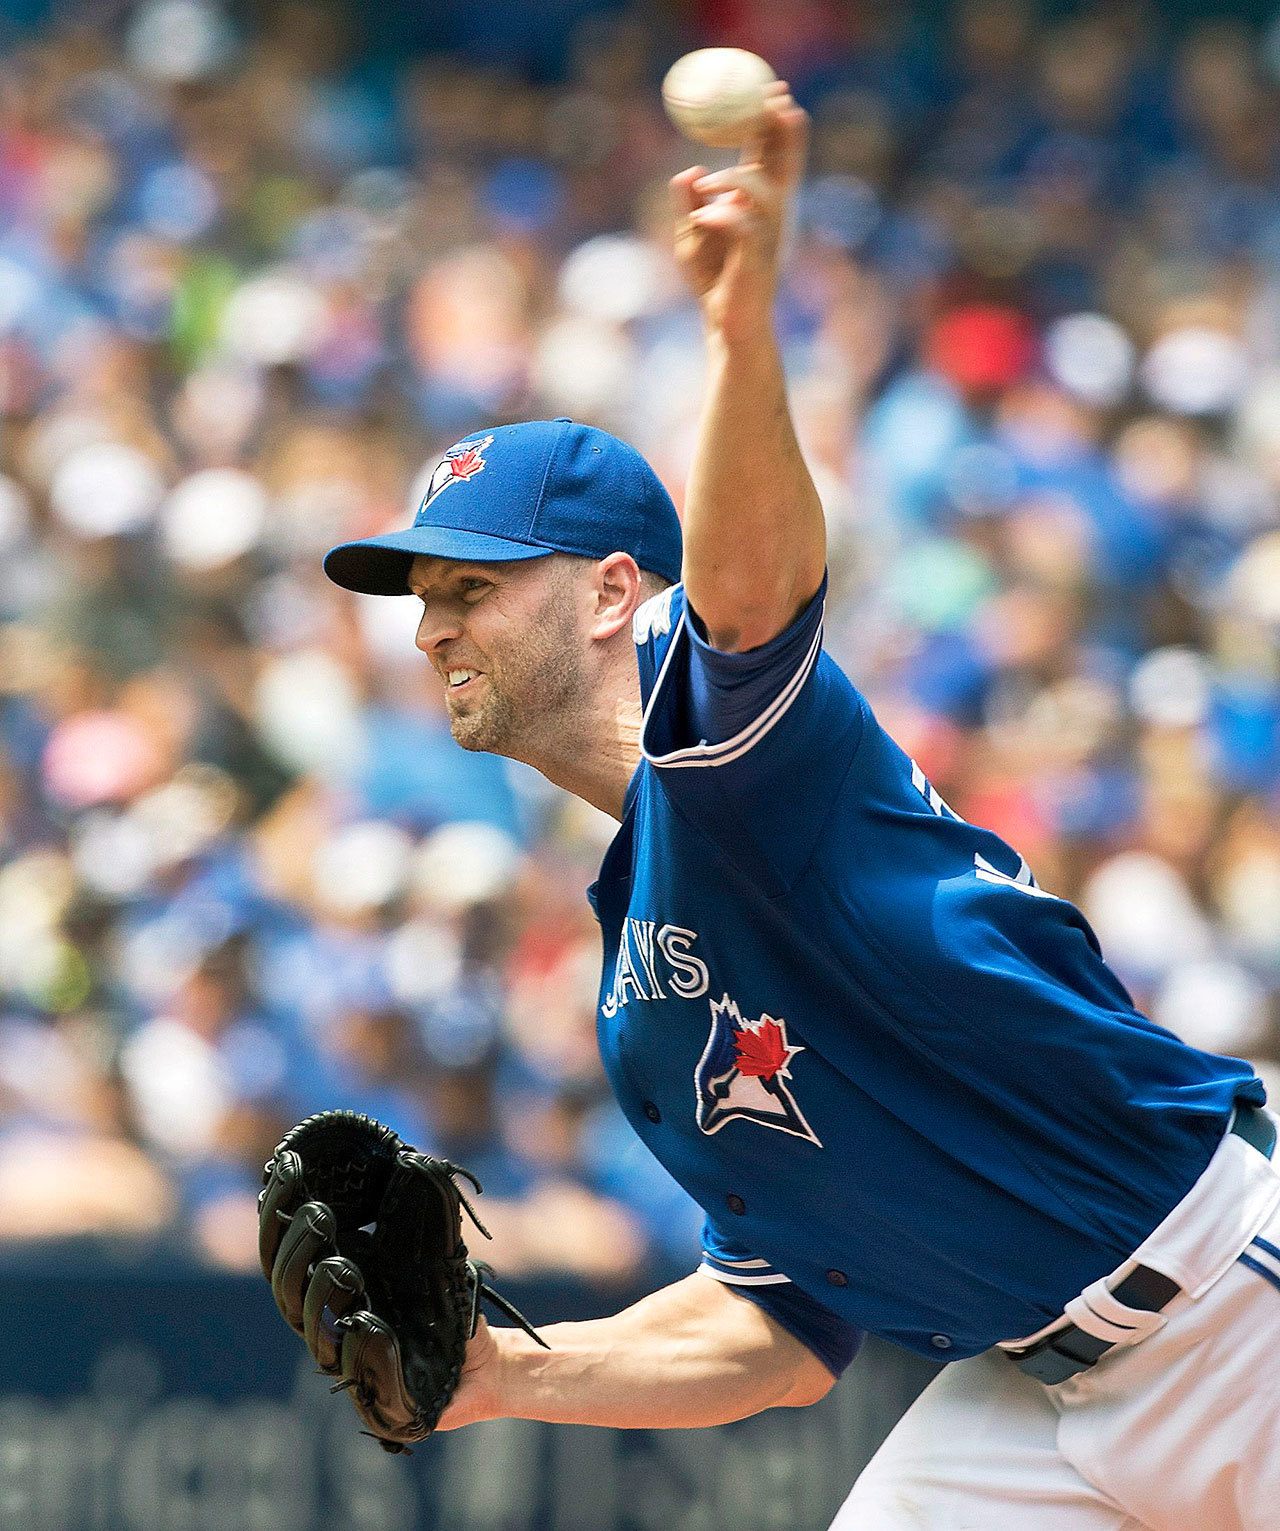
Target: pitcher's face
[{"x": 504, "y": 639}]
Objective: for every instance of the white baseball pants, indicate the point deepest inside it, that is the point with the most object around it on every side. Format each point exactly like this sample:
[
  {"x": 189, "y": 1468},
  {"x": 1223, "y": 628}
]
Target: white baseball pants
[{"x": 1178, "y": 1433}]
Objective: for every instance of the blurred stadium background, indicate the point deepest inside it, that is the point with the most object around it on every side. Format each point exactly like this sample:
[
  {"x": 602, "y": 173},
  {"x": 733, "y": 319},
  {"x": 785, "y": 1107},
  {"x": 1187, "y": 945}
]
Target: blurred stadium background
[{"x": 259, "y": 263}]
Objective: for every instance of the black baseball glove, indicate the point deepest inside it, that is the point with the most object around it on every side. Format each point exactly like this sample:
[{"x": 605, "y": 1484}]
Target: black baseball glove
[{"x": 361, "y": 1239}]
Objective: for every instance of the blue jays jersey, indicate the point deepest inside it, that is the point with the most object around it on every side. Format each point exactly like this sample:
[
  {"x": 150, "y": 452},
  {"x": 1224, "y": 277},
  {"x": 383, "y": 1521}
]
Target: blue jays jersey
[{"x": 896, "y": 1074}]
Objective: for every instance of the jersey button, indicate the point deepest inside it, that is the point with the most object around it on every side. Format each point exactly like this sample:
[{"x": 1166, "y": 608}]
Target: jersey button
[
  {"x": 652, "y": 1112},
  {"x": 735, "y": 1204},
  {"x": 837, "y": 1278},
  {"x": 941, "y": 1341}
]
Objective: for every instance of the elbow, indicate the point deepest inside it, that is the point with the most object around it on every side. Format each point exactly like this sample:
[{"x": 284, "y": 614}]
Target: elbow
[
  {"x": 812, "y": 1383},
  {"x": 736, "y": 620}
]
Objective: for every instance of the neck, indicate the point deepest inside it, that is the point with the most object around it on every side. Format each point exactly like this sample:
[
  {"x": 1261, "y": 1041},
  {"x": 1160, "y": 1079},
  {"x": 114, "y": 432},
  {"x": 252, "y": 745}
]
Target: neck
[
  {"x": 598, "y": 772},
  {"x": 594, "y": 755}
]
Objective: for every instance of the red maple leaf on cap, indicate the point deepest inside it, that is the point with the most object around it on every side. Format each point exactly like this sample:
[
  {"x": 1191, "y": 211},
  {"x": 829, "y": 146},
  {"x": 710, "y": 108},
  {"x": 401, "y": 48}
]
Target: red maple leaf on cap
[
  {"x": 762, "y": 1051},
  {"x": 466, "y": 463}
]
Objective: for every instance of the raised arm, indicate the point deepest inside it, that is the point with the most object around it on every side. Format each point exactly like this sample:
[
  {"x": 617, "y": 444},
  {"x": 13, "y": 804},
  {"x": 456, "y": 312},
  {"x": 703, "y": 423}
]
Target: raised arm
[
  {"x": 754, "y": 534},
  {"x": 692, "y": 1354}
]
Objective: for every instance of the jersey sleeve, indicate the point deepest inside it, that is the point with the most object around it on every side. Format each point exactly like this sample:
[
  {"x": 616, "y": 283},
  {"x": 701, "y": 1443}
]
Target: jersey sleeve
[
  {"x": 834, "y": 1341},
  {"x": 705, "y": 706},
  {"x": 753, "y": 746}
]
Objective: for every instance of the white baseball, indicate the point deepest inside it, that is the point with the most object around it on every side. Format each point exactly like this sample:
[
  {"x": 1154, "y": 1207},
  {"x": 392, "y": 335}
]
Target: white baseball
[{"x": 716, "y": 95}]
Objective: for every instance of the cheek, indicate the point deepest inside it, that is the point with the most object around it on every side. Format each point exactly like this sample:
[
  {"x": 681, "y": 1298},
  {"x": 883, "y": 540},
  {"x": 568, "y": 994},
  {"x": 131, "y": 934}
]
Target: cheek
[
  {"x": 500, "y": 630},
  {"x": 483, "y": 637}
]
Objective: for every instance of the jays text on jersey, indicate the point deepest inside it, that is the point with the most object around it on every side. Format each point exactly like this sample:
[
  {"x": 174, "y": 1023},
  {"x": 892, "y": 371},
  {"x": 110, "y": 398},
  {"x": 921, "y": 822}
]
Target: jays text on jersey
[{"x": 897, "y": 1075}]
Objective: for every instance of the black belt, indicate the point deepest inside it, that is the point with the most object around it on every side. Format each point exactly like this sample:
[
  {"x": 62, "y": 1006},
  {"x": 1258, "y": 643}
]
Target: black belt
[{"x": 1072, "y": 1350}]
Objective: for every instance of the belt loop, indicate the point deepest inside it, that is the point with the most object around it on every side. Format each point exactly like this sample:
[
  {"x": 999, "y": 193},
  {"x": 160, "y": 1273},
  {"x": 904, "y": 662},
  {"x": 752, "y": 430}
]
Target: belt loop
[
  {"x": 1256, "y": 1127},
  {"x": 1100, "y": 1313}
]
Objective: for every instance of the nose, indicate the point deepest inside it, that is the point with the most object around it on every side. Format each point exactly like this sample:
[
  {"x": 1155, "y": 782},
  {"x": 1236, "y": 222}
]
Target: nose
[{"x": 439, "y": 625}]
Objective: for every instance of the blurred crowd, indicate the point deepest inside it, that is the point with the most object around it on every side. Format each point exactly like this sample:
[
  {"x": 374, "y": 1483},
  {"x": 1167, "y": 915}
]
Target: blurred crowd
[{"x": 256, "y": 272}]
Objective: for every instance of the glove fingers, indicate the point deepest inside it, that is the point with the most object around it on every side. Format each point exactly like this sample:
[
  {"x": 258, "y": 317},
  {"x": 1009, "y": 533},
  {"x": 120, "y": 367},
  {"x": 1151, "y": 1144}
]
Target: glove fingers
[
  {"x": 371, "y": 1363},
  {"x": 307, "y": 1240},
  {"x": 281, "y": 1195},
  {"x": 336, "y": 1289}
]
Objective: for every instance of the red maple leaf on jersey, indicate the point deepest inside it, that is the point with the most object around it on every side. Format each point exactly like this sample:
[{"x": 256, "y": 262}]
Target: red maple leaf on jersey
[
  {"x": 466, "y": 463},
  {"x": 763, "y": 1050}
]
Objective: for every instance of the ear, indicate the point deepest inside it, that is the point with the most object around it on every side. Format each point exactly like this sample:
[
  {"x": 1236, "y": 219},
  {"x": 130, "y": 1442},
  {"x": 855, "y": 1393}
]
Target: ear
[{"x": 617, "y": 591}]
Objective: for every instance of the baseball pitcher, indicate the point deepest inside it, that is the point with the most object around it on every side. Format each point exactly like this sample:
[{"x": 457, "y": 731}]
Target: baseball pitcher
[{"x": 897, "y": 1075}]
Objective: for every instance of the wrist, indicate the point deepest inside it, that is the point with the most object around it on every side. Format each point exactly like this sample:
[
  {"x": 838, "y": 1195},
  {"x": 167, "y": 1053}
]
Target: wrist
[
  {"x": 746, "y": 340},
  {"x": 514, "y": 1356}
]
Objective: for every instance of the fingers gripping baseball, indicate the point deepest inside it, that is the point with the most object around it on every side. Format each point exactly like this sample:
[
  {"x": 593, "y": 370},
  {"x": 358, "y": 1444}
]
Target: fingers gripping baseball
[
  {"x": 730, "y": 222},
  {"x": 782, "y": 143}
]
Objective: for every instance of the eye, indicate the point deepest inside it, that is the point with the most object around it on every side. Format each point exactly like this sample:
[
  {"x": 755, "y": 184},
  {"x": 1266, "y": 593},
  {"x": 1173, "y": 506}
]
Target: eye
[{"x": 474, "y": 586}]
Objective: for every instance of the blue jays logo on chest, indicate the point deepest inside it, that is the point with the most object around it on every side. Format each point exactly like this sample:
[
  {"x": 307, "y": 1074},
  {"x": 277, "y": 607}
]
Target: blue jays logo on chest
[{"x": 744, "y": 1072}]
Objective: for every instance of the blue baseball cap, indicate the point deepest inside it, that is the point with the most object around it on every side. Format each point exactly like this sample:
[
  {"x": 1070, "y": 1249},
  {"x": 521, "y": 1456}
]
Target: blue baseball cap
[{"x": 524, "y": 491}]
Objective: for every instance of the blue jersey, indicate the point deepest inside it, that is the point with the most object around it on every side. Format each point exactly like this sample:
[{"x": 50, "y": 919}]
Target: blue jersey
[{"x": 898, "y": 1076}]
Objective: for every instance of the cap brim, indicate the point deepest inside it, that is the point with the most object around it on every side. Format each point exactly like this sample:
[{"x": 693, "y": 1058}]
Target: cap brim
[{"x": 380, "y": 565}]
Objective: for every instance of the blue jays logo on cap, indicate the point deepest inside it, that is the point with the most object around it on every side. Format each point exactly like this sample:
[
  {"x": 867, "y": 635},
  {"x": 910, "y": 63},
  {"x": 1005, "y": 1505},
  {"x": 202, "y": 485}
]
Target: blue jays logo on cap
[
  {"x": 524, "y": 491},
  {"x": 459, "y": 463},
  {"x": 743, "y": 1072}
]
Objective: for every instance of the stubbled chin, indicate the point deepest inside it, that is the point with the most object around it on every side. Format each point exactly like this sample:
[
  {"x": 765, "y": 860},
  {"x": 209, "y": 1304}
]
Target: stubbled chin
[{"x": 470, "y": 728}]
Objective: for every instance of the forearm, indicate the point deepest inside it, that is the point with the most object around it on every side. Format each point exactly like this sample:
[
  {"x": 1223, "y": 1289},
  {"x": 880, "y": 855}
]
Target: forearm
[
  {"x": 693, "y": 1354},
  {"x": 754, "y": 531},
  {"x": 755, "y": 537}
]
